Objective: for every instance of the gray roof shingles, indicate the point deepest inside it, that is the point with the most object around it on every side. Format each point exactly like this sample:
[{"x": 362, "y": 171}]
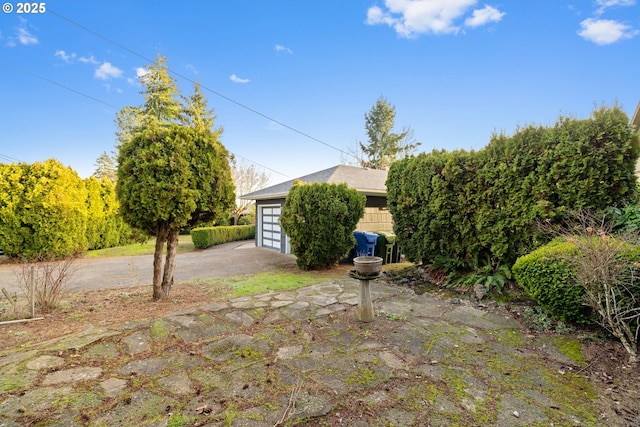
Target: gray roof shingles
[{"x": 370, "y": 182}]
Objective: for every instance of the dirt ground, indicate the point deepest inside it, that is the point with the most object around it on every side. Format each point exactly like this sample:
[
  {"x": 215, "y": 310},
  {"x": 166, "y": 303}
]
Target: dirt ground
[
  {"x": 617, "y": 382},
  {"x": 84, "y": 309}
]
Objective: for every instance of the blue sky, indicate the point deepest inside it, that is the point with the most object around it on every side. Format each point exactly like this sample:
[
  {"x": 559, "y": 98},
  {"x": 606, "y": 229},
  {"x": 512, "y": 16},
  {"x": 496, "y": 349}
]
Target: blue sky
[{"x": 456, "y": 71}]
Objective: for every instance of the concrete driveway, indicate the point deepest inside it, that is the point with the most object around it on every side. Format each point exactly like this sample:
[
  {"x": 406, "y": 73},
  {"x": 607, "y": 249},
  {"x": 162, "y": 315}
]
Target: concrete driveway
[{"x": 229, "y": 259}]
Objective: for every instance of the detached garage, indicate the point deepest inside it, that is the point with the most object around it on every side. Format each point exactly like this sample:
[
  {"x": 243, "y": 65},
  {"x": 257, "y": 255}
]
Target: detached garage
[{"x": 369, "y": 182}]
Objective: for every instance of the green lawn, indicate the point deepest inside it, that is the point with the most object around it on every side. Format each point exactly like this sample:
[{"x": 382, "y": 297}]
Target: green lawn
[
  {"x": 184, "y": 245},
  {"x": 269, "y": 281}
]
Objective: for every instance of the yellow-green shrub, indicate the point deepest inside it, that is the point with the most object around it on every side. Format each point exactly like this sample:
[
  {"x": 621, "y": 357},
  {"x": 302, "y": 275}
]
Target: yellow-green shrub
[{"x": 42, "y": 210}]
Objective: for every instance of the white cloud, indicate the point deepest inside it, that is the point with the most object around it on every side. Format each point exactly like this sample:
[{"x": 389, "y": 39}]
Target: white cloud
[
  {"x": 68, "y": 58},
  {"x": 25, "y": 37},
  {"x": 107, "y": 71},
  {"x": 605, "y": 31},
  {"x": 610, "y": 3},
  {"x": 192, "y": 68},
  {"x": 140, "y": 75},
  {"x": 412, "y": 17},
  {"x": 484, "y": 16},
  {"x": 110, "y": 89},
  {"x": 604, "y": 4},
  {"x": 237, "y": 79},
  {"x": 279, "y": 48},
  {"x": 89, "y": 60}
]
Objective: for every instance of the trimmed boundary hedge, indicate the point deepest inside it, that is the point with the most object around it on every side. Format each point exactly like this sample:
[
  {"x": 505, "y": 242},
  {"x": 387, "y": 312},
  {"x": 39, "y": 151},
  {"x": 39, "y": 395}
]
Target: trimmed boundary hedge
[
  {"x": 467, "y": 210},
  {"x": 205, "y": 237}
]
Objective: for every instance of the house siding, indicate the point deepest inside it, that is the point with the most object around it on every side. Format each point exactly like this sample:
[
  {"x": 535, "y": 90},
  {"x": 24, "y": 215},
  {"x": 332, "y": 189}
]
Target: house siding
[{"x": 376, "y": 219}]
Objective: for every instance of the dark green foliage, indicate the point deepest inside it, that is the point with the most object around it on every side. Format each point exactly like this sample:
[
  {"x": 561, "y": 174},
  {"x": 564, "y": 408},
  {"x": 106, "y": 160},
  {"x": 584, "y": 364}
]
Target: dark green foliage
[
  {"x": 206, "y": 237},
  {"x": 547, "y": 276},
  {"x": 43, "y": 210},
  {"x": 173, "y": 176},
  {"x": 626, "y": 218},
  {"x": 320, "y": 219},
  {"x": 492, "y": 277},
  {"x": 455, "y": 210}
]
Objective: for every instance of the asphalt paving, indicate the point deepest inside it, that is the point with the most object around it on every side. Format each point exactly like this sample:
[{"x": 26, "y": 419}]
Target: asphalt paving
[{"x": 229, "y": 259}]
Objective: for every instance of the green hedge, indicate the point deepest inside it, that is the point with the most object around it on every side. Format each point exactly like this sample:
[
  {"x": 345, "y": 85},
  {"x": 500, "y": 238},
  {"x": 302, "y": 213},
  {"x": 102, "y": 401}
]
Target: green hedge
[
  {"x": 460, "y": 209},
  {"x": 205, "y": 237},
  {"x": 47, "y": 211}
]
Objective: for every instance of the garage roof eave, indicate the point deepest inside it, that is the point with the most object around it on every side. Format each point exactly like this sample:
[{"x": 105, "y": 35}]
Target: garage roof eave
[
  {"x": 370, "y": 182},
  {"x": 265, "y": 197},
  {"x": 271, "y": 196}
]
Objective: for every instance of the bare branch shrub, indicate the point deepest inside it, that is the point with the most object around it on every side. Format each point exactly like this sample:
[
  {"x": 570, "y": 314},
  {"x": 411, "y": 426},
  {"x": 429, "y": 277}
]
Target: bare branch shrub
[
  {"x": 11, "y": 308},
  {"x": 50, "y": 280},
  {"x": 607, "y": 269}
]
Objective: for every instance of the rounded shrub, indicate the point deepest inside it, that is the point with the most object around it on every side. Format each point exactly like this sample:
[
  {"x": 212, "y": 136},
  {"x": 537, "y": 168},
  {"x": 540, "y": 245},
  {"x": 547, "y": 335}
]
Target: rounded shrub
[
  {"x": 547, "y": 276},
  {"x": 320, "y": 219}
]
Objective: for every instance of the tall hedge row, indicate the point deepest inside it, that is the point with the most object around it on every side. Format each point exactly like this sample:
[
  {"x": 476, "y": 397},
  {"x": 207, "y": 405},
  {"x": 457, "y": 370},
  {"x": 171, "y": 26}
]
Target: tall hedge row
[
  {"x": 47, "y": 210},
  {"x": 467, "y": 209}
]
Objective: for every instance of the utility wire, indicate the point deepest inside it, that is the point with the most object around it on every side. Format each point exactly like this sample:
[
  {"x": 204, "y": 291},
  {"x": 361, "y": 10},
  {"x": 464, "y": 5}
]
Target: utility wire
[
  {"x": 4, "y": 157},
  {"x": 233, "y": 101},
  {"x": 22, "y": 70},
  {"x": 262, "y": 166}
]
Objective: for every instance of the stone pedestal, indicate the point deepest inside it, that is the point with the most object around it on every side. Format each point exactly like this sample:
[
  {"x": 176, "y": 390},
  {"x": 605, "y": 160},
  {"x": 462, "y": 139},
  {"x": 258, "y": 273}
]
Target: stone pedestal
[{"x": 365, "y": 306}]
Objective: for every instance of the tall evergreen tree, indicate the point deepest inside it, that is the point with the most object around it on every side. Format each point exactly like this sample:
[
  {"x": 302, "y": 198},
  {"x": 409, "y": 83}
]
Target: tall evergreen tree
[
  {"x": 106, "y": 167},
  {"x": 196, "y": 114},
  {"x": 161, "y": 94},
  {"x": 173, "y": 172},
  {"x": 384, "y": 146}
]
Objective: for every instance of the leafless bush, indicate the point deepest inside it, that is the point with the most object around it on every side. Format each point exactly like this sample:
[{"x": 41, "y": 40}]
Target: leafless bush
[
  {"x": 11, "y": 307},
  {"x": 607, "y": 268},
  {"x": 50, "y": 278}
]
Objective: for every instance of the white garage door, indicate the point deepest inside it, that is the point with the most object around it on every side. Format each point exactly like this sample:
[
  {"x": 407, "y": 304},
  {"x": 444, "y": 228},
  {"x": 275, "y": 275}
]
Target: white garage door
[{"x": 271, "y": 232}]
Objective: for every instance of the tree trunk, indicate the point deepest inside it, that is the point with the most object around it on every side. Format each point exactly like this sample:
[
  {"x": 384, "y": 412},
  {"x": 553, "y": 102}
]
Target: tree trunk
[
  {"x": 161, "y": 237},
  {"x": 170, "y": 262}
]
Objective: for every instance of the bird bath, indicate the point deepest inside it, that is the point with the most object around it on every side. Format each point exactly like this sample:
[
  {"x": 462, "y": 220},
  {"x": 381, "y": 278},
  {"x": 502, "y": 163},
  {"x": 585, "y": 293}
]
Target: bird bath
[{"x": 366, "y": 268}]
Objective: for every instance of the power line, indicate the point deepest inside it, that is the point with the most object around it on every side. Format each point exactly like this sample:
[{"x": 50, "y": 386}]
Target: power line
[
  {"x": 4, "y": 157},
  {"x": 22, "y": 70},
  {"x": 262, "y": 166},
  {"x": 77, "y": 92},
  {"x": 233, "y": 101}
]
